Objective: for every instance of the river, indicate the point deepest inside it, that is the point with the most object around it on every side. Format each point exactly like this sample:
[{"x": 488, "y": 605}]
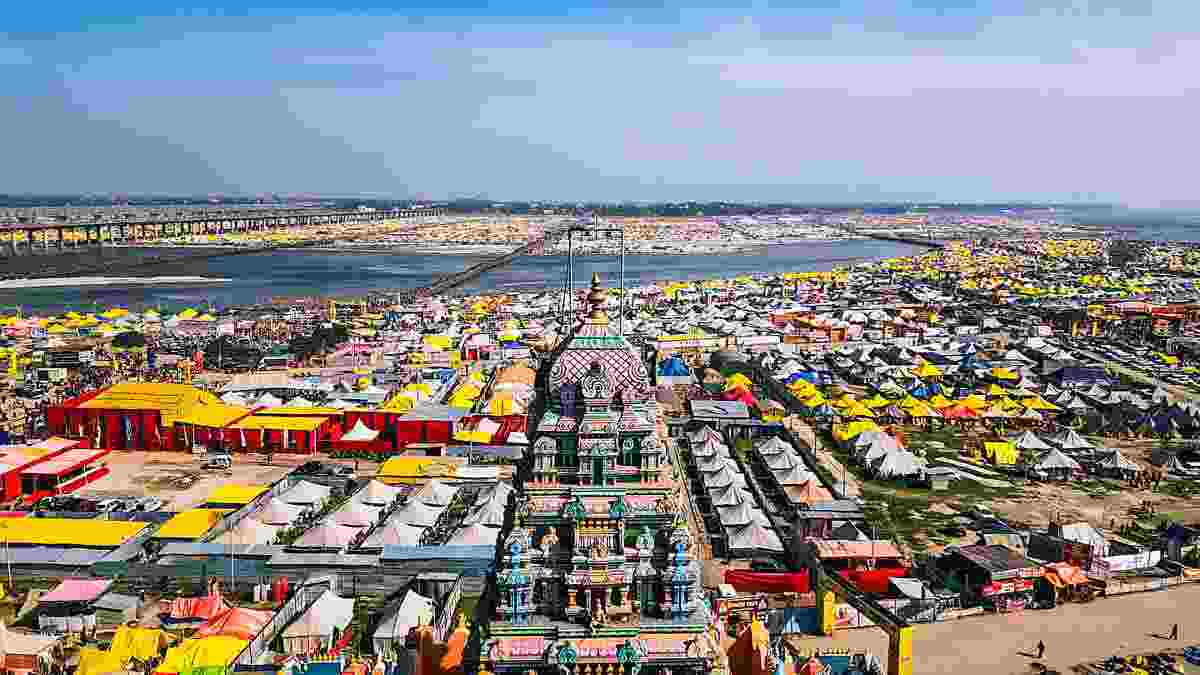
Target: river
[{"x": 261, "y": 278}]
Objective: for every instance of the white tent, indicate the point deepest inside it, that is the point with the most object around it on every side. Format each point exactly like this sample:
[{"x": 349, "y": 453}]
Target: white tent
[
  {"x": 490, "y": 513},
  {"x": 299, "y": 402},
  {"x": 1028, "y": 441},
  {"x": 377, "y": 493},
  {"x": 414, "y": 610},
  {"x": 249, "y": 532},
  {"x": 436, "y": 493},
  {"x": 773, "y": 446},
  {"x": 417, "y": 513},
  {"x": 1056, "y": 460},
  {"x": 474, "y": 535},
  {"x": 394, "y": 533},
  {"x": 737, "y": 515},
  {"x": 278, "y": 512},
  {"x": 233, "y": 398},
  {"x": 268, "y": 401},
  {"x": 797, "y": 475},
  {"x": 360, "y": 433},
  {"x": 754, "y": 537},
  {"x": 356, "y": 514},
  {"x": 306, "y": 493},
  {"x": 314, "y": 629},
  {"x": 498, "y": 491},
  {"x": 723, "y": 478},
  {"x": 1071, "y": 440},
  {"x": 730, "y": 495},
  {"x": 1119, "y": 462},
  {"x": 899, "y": 464},
  {"x": 327, "y": 535}
]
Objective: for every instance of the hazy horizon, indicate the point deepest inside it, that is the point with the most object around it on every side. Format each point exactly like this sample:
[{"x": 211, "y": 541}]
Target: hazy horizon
[{"x": 941, "y": 101}]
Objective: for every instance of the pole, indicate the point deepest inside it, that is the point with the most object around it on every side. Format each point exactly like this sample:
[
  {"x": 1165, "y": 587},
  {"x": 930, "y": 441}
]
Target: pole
[{"x": 621, "y": 322}]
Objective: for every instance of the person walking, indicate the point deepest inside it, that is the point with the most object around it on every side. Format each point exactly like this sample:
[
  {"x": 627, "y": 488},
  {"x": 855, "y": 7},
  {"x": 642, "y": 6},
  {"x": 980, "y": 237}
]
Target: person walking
[
  {"x": 1041, "y": 647},
  {"x": 1174, "y": 632}
]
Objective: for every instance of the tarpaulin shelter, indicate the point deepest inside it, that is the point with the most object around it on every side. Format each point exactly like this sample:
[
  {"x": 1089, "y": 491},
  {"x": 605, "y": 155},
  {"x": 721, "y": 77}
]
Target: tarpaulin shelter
[{"x": 235, "y": 622}]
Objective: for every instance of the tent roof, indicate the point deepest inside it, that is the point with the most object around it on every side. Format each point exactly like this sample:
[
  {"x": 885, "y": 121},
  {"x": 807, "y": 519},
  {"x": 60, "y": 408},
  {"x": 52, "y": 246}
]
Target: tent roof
[
  {"x": 360, "y": 433},
  {"x": 328, "y": 612},
  {"x": 305, "y": 492},
  {"x": 172, "y": 401},
  {"x": 394, "y": 533},
  {"x": 414, "y": 610},
  {"x": 77, "y": 590},
  {"x": 278, "y": 512}
]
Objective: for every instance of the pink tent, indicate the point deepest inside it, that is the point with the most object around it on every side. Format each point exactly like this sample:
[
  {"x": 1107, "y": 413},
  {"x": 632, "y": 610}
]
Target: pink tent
[{"x": 77, "y": 590}]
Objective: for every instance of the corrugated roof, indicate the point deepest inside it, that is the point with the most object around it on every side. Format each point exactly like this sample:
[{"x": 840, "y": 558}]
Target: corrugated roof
[{"x": 995, "y": 559}]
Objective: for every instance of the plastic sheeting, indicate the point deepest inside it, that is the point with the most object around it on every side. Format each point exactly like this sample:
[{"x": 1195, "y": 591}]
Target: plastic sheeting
[
  {"x": 746, "y": 581},
  {"x": 236, "y": 622},
  {"x": 202, "y": 656}
]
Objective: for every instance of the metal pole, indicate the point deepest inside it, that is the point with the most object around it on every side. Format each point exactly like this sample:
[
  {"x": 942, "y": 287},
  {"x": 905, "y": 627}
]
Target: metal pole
[{"x": 621, "y": 322}]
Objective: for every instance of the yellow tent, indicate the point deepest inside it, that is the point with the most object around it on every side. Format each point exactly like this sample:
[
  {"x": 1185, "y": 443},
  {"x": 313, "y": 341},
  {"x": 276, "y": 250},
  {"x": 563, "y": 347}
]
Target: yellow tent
[
  {"x": 1004, "y": 374},
  {"x": 927, "y": 369},
  {"x": 876, "y": 401},
  {"x": 93, "y": 661},
  {"x": 995, "y": 390},
  {"x": 844, "y": 432},
  {"x": 975, "y": 402},
  {"x": 137, "y": 643},
  {"x": 1039, "y": 403},
  {"x": 815, "y": 400},
  {"x": 938, "y": 401},
  {"x": 738, "y": 380},
  {"x": 191, "y": 524},
  {"x": 235, "y": 494},
  {"x": 1001, "y": 452},
  {"x": 857, "y": 410},
  {"x": 908, "y": 401},
  {"x": 202, "y": 655}
]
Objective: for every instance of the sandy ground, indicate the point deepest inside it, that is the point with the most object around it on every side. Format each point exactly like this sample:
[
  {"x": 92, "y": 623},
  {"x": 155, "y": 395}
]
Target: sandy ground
[
  {"x": 138, "y": 474},
  {"x": 1073, "y": 633}
]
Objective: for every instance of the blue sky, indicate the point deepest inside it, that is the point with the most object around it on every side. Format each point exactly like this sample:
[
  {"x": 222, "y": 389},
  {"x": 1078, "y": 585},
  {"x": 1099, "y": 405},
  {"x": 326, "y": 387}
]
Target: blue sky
[{"x": 803, "y": 101}]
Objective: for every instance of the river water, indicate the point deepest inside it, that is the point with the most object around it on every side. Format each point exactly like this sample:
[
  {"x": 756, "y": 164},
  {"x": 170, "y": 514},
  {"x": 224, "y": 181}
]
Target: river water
[{"x": 261, "y": 278}]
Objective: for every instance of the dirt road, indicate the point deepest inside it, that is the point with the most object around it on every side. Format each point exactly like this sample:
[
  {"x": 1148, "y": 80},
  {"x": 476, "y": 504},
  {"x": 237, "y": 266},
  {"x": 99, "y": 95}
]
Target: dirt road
[{"x": 993, "y": 644}]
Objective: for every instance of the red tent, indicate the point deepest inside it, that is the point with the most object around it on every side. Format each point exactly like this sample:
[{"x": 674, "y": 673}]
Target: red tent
[{"x": 236, "y": 621}]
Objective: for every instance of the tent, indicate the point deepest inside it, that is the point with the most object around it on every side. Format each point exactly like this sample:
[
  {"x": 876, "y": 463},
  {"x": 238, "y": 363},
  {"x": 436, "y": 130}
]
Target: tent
[
  {"x": 1056, "y": 462},
  {"x": 361, "y": 433},
  {"x": 356, "y": 514},
  {"x": 249, "y": 532},
  {"x": 201, "y": 656},
  {"x": 314, "y": 629},
  {"x": 1071, "y": 440},
  {"x": 1028, "y": 441},
  {"x": 899, "y": 464},
  {"x": 773, "y": 445},
  {"x": 416, "y": 512},
  {"x": 436, "y": 493},
  {"x": 753, "y": 538},
  {"x": 306, "y": 493},
  {"x": 236, "y": 622},
  {"x": 474, "y": 535},
  {"x": 278, "y": 512},
  {"x": 377, "y": 493},
  {"x": 203, "y": 607},
  {"x": 414, "y": 609},
  {"x": 327, "y": 535},
  {"x": 394, "y": 533},
  {"x": 490, "y": 513}
]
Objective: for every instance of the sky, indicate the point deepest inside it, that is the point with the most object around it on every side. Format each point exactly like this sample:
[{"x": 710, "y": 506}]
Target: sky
[{"x": 924, "y": 100}]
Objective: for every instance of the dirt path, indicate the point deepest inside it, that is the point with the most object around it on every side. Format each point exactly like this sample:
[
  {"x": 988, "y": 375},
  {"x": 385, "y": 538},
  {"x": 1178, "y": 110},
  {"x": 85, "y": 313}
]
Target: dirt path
[{"x": 991, "y": 644}]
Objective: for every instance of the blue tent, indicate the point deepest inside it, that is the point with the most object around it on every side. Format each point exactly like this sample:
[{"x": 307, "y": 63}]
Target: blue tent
[{"x": 673, "y": 366}]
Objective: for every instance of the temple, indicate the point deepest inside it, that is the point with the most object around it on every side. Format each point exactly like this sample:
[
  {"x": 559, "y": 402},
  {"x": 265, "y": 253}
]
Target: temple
[{"x": 597, "y": 576}]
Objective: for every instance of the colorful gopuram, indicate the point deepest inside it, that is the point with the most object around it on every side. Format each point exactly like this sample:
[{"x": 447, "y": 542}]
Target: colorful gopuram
[{"x": 597, "y": 577}]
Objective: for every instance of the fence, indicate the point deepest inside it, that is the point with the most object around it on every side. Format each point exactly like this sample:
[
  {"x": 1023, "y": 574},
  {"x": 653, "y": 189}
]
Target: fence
[
  {"x": 301, "y": 600},
  {"x": 444, "y": 622}
]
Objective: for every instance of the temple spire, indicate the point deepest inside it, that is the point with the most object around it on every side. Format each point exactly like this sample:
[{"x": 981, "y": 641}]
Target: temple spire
[{"x": 596, "y": 299}]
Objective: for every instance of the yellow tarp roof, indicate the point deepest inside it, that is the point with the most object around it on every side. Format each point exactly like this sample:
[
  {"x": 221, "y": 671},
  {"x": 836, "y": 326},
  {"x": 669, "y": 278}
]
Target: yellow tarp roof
[
  {"x": 281, "y": 422},
  {"x": 68, "y": 531},
  {"x": 190, "y": 524},
  {"x": 235, "y": 494},
  {"x": 215, "y": 415},
  {"x": 1002, "y": 452},
  {"x": 414, "y": 466},
  {"x": 202, "y": 653},
  {"x": 173, "y": 401}
]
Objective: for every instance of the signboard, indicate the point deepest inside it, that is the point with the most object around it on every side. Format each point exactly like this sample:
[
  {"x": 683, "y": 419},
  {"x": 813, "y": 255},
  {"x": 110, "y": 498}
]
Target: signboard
[{"x": 1006, "y": 587}]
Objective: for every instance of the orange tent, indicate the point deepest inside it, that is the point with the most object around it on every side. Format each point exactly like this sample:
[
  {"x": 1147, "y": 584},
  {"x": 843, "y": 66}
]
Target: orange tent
[{"x": 235, "y": 621}]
